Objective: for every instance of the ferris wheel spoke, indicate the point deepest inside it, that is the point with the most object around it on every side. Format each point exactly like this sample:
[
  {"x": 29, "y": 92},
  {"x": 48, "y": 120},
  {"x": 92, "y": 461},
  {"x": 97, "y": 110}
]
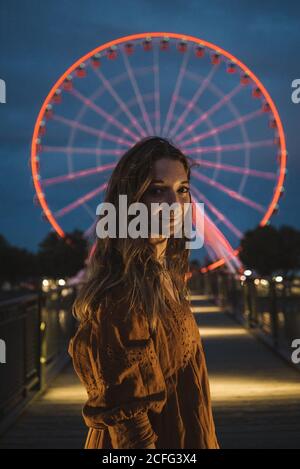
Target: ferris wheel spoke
[
  {"x": 84, "y": 150},
  {"x": 90, "y": 230},
  {"x": 137, "y": 93},
  {"x": 230, "y": 147},
  {"x": 90, "y": 104},
  {"x": 234, "y": 111},
  {"x": 222, "y": 128},
  {"x": 176, "y": 90},
  {"x": 222, "y": 248},
  {"x": 209, "y": 124},
  {"x": 80, "y": 201},
  {"x": 191, "y": 104},
  {"x": 77, "y": 174},
  {"x": 120, "y": 102},
  {"x": 156, "y": 89},
  {"x": 89, "y": 210},
  {"x": 232, "y": 193},
  {"x": 214, "y": 238},
  {"x": 237, "y": 169},
  {"x": 90, "y": 130},
  {"x": 218, "y": 105},
  {"x": 221, "y": 217}
]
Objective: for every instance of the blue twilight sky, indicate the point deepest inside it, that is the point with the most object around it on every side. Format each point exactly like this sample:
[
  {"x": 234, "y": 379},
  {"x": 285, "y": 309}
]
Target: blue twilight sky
[{"x": 40, "y": 39}]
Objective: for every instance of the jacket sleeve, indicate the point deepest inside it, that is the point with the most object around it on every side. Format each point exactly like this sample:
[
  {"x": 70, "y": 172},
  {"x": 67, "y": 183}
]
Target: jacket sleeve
[{"x": 118, "y": 365}]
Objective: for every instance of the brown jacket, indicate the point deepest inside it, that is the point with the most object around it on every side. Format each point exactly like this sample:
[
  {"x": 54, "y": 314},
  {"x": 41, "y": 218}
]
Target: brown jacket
[{"x": 144, "y": 389}]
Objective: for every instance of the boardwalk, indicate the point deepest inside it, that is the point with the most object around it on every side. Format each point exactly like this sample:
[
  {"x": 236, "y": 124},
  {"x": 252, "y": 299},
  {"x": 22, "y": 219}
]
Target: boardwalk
[{"x": 256, "y": 395}]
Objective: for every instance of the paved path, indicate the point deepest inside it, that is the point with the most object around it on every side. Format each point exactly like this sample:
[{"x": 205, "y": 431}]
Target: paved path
[
  {"x": 53, "y": 420},
  {"x": 256, "y": 395}
]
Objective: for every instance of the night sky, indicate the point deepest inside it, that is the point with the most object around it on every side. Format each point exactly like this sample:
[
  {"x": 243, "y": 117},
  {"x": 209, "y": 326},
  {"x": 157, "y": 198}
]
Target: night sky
[{"x": 40, "y": 39}]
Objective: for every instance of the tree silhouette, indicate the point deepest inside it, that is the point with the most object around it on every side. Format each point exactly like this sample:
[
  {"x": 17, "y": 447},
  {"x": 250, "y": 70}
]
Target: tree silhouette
[
  {"x": 260, "y": 250},
  {"x": 270, "y": 251},
  {"x": 289, "y": 251},
  {"x": 62, "y": 257},
  {"x": 16, "y": 264}
]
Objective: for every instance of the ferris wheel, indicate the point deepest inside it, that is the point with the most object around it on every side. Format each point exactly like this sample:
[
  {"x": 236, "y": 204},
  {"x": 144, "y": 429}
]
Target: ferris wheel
[{"x": 211, "y": 106}]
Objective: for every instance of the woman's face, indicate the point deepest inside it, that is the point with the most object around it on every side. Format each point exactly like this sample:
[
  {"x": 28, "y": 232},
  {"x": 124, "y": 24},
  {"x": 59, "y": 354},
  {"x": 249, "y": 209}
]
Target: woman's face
[{"x": 169, "y": 184}]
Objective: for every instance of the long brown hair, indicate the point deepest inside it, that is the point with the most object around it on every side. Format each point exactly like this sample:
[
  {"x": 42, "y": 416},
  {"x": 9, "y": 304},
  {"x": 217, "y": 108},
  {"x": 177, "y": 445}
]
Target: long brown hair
[{"x": 124, "y": 269}]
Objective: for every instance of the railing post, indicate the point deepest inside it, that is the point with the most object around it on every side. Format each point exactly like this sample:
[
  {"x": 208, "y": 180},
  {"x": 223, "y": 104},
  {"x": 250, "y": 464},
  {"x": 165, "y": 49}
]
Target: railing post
[
  {"x": 273, "y": 311},
  {"x": 42, "y": 341}
]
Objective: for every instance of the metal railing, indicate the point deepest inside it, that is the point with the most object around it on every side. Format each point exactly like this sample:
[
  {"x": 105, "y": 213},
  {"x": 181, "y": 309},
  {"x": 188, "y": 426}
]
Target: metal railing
[
  {"x": 36, "y": 330},
  {"x": 273, "y": 312}
]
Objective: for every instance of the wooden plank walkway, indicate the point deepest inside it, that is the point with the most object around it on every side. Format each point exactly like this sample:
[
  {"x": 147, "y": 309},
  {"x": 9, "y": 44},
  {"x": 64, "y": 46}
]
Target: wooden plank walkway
[
  {"x": 52, "y": 420},
  {"x": 256, "y": 395}
]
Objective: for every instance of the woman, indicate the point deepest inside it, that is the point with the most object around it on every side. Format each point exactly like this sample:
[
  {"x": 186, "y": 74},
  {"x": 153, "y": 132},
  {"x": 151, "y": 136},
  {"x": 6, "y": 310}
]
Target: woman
[{"x": 137, "y": 349}]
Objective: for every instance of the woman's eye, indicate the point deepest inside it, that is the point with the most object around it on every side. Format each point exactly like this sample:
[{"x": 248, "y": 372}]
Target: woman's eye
[
  {"x": 160, "y": 190},
  {"x": 155, "y": 190}
]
